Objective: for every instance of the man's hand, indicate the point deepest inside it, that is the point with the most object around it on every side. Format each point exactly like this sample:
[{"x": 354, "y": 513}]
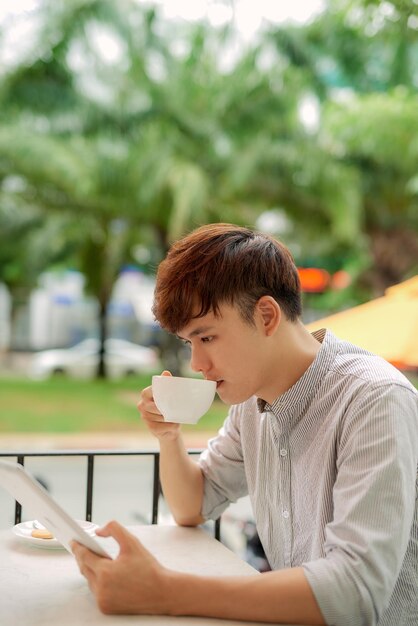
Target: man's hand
[
  {"x": 133, "y": 583},
  {"x": 153, "y": 418},
  {"x": 181, "y": 478}
]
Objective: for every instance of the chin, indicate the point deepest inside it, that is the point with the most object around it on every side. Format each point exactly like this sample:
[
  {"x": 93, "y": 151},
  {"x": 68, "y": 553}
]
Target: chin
[{"x": 233, "y": 398}]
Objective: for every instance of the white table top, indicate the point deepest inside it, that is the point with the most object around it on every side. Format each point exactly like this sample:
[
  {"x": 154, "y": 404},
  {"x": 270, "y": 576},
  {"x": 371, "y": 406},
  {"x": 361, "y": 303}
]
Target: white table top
[{"x": 44, "y": 587}]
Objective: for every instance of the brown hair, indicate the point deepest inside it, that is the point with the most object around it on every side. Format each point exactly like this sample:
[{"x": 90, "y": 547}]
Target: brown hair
[{"x": 223, "y": 263}]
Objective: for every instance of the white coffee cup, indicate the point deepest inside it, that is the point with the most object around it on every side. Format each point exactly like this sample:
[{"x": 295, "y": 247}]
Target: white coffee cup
[{"x": 182, "y": 400}]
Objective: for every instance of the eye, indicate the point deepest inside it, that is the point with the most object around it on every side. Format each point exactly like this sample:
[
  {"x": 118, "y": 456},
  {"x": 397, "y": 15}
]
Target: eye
[{"x": 206, "y": 339}]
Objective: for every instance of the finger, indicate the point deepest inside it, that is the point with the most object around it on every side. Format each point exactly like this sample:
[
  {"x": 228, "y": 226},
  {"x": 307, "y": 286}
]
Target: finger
[
  {"x": 166, "y": 373},
  {"x": 126, "y": 540},
  {"x": 84, "y": 557},
  {"x": 145, "y": 397},
  {"x": 89, "y": 574},
  {"x": 76, "y": 549},
  {"x": 146, "y": 403},
  {"x": 156, "y": 421},
  {"x": 152, "y": 409},
  {"x": 152, "y": 418},
  {"x": 149, "y": 412}
]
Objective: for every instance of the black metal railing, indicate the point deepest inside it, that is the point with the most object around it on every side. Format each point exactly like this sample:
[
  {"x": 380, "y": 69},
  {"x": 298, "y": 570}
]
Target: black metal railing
[{"x": 90, "y": 455}]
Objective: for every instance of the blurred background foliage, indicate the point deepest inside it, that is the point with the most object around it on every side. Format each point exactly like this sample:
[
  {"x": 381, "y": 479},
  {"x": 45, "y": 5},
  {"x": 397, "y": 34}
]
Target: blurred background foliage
[{"x": 121, "y": 129}]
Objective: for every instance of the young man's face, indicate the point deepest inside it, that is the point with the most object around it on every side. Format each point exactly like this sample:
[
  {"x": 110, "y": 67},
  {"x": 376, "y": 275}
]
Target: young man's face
[{"x": 230, "y": 351}]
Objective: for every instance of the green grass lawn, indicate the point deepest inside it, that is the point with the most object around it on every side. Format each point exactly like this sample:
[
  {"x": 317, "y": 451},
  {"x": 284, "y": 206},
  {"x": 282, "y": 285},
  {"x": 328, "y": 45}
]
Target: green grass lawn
[{"x": 64, "y": 405}]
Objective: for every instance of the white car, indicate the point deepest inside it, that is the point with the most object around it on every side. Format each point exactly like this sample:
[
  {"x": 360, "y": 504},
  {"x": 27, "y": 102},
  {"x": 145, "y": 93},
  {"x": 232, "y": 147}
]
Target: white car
[{"x": 122, "y": 358}]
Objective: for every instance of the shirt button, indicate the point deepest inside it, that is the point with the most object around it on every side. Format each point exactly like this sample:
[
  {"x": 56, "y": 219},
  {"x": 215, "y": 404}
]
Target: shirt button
[
  {"x": 285, "y": 514},
  {"x": 283, "y": 452}
]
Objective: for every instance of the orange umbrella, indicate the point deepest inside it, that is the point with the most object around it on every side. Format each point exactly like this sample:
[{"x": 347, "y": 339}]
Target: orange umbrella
[{"x": 387, "y": 326}]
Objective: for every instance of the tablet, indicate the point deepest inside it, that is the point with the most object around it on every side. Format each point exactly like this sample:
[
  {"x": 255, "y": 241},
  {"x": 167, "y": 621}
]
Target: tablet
[{"x": 31, "y": 495}]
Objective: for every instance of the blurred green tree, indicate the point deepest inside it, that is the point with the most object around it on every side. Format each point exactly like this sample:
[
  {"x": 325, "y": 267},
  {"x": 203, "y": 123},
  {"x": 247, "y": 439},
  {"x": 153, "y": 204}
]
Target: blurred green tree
[
  {"x": 358, "y": 62},
  {"x": 140, "y": 143},
  {"x": 122, "y": 128}
]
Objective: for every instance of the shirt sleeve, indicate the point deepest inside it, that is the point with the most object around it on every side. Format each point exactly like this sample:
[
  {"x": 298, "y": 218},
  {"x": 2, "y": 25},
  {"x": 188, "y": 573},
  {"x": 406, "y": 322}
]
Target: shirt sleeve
[
  {"x": 374, "y": 503},
  {"x": 222, "y": 465}
]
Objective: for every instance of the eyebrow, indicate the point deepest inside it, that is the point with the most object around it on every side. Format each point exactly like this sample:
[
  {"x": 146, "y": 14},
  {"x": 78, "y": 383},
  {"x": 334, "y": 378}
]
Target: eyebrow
[{"x": 200, "y": 330}]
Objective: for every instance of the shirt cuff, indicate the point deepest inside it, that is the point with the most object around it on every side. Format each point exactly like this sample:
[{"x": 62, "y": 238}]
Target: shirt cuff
[{"x": 342, "y": 601}]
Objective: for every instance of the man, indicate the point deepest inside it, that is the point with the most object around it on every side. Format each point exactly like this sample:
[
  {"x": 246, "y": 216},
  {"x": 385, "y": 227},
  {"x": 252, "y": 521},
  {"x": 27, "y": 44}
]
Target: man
[{"x": 321, "y": 434}]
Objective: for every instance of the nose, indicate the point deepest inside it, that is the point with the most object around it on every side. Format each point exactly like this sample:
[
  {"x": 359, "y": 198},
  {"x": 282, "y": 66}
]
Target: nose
[{"x": 199, "y": 361}]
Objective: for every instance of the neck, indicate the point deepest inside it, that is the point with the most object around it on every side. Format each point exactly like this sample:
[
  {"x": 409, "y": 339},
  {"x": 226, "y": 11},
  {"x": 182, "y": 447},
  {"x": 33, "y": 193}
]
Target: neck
[{"x": 294, "y": 351}]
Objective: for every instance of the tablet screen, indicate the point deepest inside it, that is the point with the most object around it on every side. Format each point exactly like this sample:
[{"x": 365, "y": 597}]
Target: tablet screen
[{"x": 31, "y": 495}]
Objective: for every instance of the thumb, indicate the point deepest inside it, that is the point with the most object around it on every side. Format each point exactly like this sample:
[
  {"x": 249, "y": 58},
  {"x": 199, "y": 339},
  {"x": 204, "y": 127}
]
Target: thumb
[
  {"x": 166, "y": 373},
  {"x": 124, "y": 538}
]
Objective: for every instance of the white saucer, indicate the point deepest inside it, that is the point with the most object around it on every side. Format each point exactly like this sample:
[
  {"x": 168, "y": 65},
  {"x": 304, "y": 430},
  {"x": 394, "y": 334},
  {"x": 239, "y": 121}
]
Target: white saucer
[{"x": 24, "y": 532}]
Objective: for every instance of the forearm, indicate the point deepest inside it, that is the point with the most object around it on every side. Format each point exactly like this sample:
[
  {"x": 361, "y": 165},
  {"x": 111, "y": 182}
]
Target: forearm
[
  {"x": 182, "y": 482},
  {"x": 275, "y": 597}
]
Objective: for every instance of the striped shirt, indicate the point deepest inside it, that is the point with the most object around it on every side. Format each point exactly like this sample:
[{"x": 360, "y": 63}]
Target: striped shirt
[{"x": 331, "y": 470}]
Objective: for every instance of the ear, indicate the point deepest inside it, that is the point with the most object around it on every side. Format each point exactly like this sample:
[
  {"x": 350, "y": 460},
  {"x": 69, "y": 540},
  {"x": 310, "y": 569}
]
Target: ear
[{"x": 269, "y": 314}]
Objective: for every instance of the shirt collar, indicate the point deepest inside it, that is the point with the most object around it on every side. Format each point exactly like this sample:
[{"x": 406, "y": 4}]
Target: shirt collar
[{"x": 289, "y": 406}]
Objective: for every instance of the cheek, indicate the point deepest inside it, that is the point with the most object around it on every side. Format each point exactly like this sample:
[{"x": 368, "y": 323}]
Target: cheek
[
  {"x": 245, "y": 368},
  {"x": 241, "y": 354},
  {"x": 249, "y": 353}
]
